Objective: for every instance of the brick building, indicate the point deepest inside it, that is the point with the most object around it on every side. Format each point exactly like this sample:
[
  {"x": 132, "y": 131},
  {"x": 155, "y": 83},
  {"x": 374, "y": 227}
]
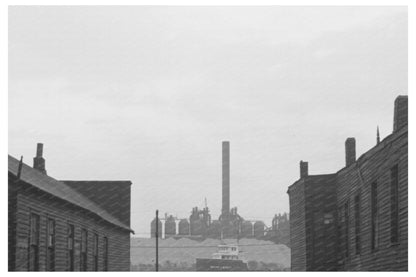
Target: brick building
[
  {"x": 66, "y": 225},
  {"x": 357, "y": 218}
]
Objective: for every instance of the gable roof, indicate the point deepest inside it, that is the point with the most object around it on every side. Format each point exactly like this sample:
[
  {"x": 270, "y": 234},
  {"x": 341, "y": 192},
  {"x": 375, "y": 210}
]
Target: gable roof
[
  {"x": 378, "y": 147},
  {"x": 60, "y": 190},
  {"x": 112, "y": 196}
]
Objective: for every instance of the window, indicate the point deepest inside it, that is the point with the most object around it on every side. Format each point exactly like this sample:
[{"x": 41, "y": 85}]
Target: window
[
  {"x": 34, "y": 243},
  {"x": 95, "y": 252},
  {"x": 374, "y": 216},
  {"x": 105, "y": 253},
  {"x": 394, "y": 194},
  {"x": 70, "y": 247},
  {"x": 328, "y": 218},
  {"x": 50, "y": 250},
  {"x": 84, "y": 248},
  {"x": 357, "y": 218},
  {"x": 347, "y": 227}
]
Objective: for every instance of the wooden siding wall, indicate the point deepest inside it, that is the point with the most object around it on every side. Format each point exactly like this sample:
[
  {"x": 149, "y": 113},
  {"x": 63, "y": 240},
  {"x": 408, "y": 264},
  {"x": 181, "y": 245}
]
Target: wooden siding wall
[
  {"x": 297, "y": 227},
  {"x": 30, "y": 200},
  {"x": 12, "y": 202},
  {"x": 357, "y": 179},
  {"x": 321, "y": 238}
]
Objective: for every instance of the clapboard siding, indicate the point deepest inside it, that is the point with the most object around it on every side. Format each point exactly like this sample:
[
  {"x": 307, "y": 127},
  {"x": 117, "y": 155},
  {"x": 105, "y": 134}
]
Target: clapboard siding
[
  {"x": 297, "y": 226},
  {"x": 376, "y": 168},
  {"x": 46, "y": 206},
  {"x": 312, "y": 196},
  {"x": 321, "y": 239}
]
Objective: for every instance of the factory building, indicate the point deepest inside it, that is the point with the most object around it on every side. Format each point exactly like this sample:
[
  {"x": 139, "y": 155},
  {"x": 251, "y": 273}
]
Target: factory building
[
  {"x": 66, "y": 225},
  {"x": 229, "y": 224},
  {"x": 280, "y": 230},
  {"x": 357, "y": 218}
]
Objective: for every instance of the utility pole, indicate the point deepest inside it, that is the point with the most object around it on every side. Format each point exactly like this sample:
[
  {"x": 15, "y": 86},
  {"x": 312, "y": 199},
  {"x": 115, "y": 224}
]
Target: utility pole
[{"x": 157, "y": 240}]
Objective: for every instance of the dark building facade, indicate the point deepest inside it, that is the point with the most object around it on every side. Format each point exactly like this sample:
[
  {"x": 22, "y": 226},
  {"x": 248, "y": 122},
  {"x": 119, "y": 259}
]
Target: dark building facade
[
  {"x": 357, "y": 218},
  {"x": 66, "y": 226}
]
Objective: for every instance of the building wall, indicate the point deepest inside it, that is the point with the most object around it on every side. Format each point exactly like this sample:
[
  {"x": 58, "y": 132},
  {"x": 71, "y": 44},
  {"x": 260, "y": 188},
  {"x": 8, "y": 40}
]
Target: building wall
[
  {"x": 318, "y": 247},
  {"x": 297, "y": 226},
  {"x": 12, "y": 202},
  {"x": 321, "y": 238},
  {"x": 357, "y": 179},
  {"x": 30, "y": 199}
]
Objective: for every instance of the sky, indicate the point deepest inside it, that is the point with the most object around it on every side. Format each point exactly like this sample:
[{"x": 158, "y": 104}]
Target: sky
[{"x": 148, "y": 94}]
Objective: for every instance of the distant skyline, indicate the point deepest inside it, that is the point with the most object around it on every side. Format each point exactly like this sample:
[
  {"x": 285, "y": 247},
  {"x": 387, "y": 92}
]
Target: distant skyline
[{"x": 148, "y": 94}]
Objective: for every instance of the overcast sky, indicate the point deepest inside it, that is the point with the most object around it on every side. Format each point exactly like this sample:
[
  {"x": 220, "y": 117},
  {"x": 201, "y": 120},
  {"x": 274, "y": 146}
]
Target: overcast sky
[{"x": 147, "y": 94}]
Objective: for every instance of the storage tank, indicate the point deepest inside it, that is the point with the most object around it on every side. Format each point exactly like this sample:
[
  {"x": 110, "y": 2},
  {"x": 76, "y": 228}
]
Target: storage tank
[
  {"x": 214, "y": 230},
  {"x": 183, "y": 227},
  {"x": 153, "y": 228},
  {"x": 247, "y": 229},
  {"x": 197, "y": 227},
  {"x": 170, "y": 227},
  {"x": 259, "y": 229}
]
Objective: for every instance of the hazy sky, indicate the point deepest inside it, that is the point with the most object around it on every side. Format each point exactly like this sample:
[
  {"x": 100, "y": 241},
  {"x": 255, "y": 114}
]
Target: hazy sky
[{"x": 147, "y": 94}]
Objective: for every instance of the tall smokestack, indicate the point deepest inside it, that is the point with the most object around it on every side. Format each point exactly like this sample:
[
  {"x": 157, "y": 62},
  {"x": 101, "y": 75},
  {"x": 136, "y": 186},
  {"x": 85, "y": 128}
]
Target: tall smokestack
[
  {"x": 225, "y": 177},
  {"x": 39, "y": 161}
]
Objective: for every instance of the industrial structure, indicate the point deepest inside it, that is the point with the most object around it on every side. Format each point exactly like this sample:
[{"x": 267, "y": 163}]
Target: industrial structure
[
  {"x": 229, "y": 224},
  {"x": 357, "y": 218},
  {"x": 66, "y": 225}
]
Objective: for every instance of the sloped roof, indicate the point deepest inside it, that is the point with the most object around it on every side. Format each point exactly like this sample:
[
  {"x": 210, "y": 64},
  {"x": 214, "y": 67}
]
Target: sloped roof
[
  {"x": 366, "y": 155},
  {"x": 59, "y": 189}
]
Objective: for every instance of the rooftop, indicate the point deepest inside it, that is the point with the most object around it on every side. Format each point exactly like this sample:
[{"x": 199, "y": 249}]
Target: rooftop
[{"x": 60, "y": 190}]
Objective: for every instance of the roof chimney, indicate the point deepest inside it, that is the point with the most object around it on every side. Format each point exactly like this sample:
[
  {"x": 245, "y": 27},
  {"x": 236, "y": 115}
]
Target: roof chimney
[
  {"x": 39, "y": 161},
  {"x": 400, "y": 112},
  {"x": 303, "y": 169},
  {"x": 349, "y": 151}
]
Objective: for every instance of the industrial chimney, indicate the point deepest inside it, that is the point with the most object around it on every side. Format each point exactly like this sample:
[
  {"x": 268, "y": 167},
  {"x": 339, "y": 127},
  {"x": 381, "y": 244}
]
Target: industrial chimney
[
  {"x": 349, "y": 151},
  {"x": 39, "y": 161},
  {"x": 225, "y": 177}
]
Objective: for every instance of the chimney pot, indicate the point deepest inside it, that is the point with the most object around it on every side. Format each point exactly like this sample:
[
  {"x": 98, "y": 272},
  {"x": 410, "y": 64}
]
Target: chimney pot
[
  {"x": 303, "y": 169},
  {"x": 39, "y": 161},
  {"x": 39, "y": 150},
  {"x": 349, "y": 151}
]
